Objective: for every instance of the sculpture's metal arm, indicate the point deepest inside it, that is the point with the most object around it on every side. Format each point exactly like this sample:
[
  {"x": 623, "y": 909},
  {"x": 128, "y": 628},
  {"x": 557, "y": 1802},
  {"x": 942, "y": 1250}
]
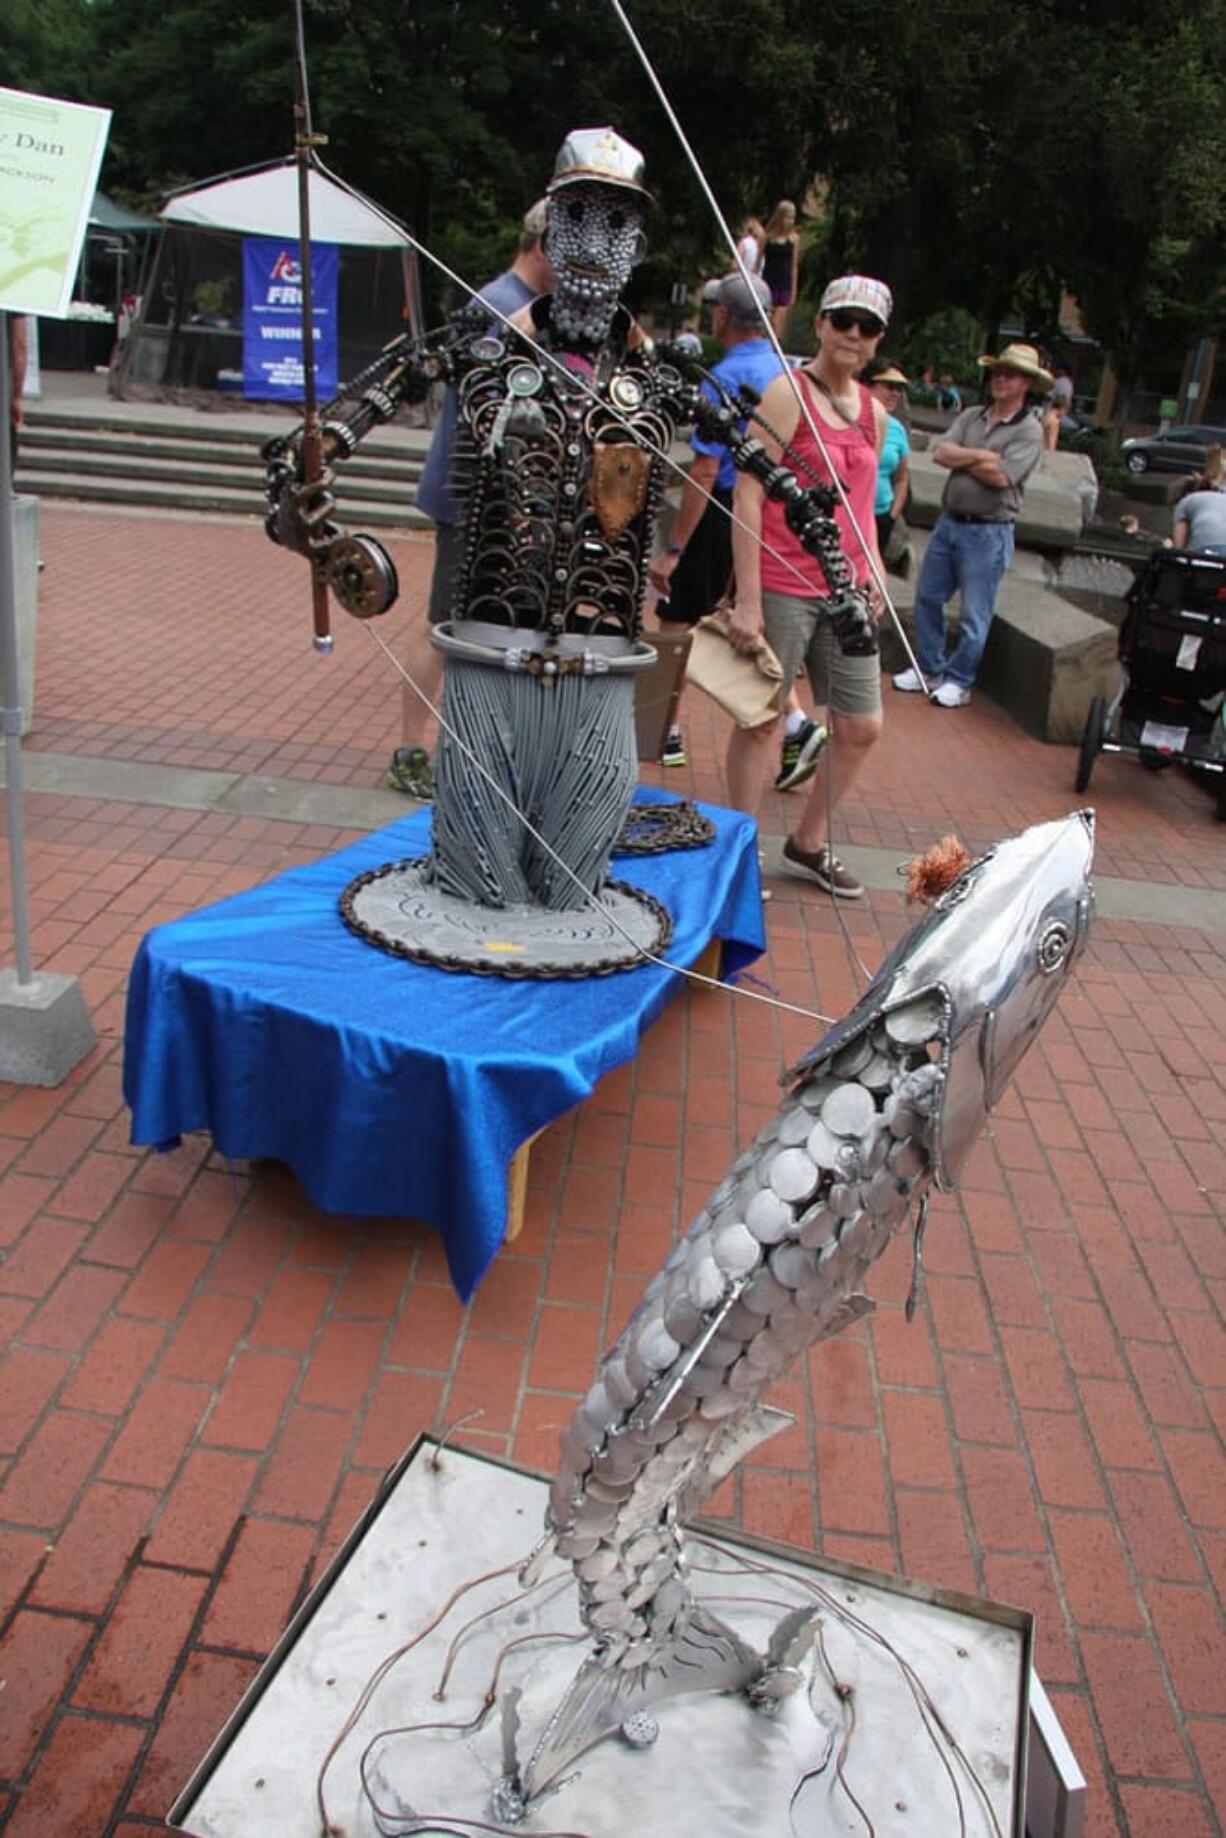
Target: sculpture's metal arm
[
  {"x": 300, "y": 513},
  {"x": 301, "y": 504},
  {"x": 809, "y": 509}
]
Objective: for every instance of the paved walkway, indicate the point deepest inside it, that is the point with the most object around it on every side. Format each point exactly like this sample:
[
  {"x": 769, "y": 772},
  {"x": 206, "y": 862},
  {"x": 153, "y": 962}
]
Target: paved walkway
[{"x": 205, "y": 1378}]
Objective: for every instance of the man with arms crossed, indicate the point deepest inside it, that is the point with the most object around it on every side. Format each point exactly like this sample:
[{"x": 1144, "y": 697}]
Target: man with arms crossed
[{"x": 990, "y": 452}]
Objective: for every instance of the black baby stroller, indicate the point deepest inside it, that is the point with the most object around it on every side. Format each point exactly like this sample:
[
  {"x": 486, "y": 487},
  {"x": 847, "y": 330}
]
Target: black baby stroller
[{"x": 1169, "y": 705}]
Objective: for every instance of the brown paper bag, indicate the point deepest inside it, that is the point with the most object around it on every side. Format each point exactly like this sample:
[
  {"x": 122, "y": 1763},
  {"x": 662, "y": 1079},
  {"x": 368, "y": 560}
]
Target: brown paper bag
[{"x": 749, "y": 685}]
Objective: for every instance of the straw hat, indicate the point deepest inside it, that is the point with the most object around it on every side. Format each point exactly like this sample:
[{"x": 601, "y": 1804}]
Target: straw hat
[{"x": 1019, "y": 357}]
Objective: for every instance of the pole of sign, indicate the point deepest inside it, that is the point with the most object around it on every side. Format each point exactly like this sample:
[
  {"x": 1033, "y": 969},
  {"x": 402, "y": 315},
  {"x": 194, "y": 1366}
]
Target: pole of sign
[
  {"x": 10, "y": 714},
  {"x": 312, "y": 434}
]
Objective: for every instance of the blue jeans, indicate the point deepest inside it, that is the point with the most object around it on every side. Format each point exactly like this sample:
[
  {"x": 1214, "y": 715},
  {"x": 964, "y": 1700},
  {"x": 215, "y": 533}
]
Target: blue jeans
[{"x": 966, "y": 558}]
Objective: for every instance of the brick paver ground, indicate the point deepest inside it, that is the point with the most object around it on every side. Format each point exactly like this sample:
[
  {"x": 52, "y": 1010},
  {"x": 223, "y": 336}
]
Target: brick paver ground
[{"x": 205, "y": 1378}]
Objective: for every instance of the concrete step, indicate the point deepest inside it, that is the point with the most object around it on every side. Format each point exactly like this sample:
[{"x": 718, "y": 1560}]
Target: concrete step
[
  {"x": 163, "y": 421},
  {"x": 389, "y": 486},
  {"x": 390, "y": 511},
  {"x": 402, "y": 462}
]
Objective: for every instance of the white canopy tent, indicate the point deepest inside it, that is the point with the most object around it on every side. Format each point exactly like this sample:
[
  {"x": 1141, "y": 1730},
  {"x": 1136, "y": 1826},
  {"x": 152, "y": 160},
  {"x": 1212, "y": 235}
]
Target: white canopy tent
[
  {"x": 265, "y": 203},
  {"x": 187, "y": 342}
]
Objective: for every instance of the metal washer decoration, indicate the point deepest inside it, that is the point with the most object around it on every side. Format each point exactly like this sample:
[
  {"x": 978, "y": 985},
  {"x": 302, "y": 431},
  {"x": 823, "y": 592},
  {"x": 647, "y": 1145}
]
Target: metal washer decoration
[{"x": 400, "y": 910}]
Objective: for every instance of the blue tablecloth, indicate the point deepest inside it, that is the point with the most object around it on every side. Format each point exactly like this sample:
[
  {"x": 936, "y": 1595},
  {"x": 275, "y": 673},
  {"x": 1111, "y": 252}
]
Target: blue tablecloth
[{"x": 390, "y": 1087}]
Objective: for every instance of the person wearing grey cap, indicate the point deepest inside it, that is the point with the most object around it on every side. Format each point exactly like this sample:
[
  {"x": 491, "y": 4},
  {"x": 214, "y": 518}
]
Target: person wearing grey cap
[
  {"x": 692, "y": 574},
  {"x": 528, "y": 276}
]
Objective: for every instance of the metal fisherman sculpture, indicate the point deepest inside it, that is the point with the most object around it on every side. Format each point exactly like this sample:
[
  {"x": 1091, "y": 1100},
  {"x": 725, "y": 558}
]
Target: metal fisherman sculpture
[
  {"x": 566, "y": 416},
  {"x": 888, "y": 1104}
]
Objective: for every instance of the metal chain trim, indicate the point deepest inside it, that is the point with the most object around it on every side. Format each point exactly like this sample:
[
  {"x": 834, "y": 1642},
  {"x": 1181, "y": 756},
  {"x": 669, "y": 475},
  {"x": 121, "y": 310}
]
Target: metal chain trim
[
  {"x": 653, "y": 829},
  {"x": 509, "y": 970}
]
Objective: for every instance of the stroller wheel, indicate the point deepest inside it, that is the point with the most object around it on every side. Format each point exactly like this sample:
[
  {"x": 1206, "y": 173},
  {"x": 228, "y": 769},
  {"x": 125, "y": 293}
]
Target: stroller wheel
[
  {"x": 1156, "y": 762},
  {"x": 1091, "y": 743}
]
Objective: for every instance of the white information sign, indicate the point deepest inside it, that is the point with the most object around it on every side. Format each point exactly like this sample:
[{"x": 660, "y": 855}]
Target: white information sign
[{"x": 50, "y": 154}]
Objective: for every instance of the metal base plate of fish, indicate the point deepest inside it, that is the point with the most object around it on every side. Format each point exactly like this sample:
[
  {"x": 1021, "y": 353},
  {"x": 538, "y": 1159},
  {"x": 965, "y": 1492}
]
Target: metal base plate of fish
[
  {"x": 859, "y": 1739},
  {"x": 401, "y": 911}
]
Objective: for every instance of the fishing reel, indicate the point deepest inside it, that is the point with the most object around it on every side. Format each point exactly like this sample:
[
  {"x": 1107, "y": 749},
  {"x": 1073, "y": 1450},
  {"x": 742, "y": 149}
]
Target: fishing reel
[{"x": 362, "y": 576}]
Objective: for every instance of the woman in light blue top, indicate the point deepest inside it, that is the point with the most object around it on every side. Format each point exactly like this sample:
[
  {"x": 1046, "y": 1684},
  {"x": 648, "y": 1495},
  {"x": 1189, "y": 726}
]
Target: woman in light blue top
[{"x": 885, "y": 380}]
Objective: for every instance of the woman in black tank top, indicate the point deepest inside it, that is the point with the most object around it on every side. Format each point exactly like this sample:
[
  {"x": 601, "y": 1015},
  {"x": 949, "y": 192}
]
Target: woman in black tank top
[{"x": 780, "y": 257}]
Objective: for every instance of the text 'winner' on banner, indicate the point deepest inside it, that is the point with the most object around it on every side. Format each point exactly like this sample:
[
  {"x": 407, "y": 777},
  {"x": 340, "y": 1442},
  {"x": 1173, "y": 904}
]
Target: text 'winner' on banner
[{"x": 272, "y": 318}]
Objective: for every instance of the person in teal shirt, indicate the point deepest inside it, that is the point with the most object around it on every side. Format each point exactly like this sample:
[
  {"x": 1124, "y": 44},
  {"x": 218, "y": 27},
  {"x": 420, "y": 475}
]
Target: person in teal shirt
[{"x": 884, "y": 379}]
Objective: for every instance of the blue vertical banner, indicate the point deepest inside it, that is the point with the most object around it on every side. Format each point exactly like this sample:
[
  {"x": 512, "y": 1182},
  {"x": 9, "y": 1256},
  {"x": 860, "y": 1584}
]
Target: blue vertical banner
[{"x": 272, "y": 318}]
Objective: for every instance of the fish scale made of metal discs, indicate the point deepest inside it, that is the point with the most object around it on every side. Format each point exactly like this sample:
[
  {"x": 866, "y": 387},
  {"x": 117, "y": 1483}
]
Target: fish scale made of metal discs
[
  {"x": 849, "y": 1061},
  {"x": 915, "y": 1024},
  {"x": 794, "y": 1176},
  {"x": 848, "y": 1111},
  {"x": 795, "y": 1127},
  {"x": 768, "y": 1217}
]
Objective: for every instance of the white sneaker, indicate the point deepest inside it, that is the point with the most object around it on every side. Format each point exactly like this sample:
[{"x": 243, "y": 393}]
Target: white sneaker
[
  {"x": 950, "y": 695},
  {"x": 910, "y": 682}
]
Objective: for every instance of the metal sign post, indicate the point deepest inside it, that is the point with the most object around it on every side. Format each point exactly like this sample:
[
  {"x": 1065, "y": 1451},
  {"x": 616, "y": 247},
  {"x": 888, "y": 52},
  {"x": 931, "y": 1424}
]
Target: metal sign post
[
  {"x": 56, "y": 151},
  {"x": 10, "y": 712}
]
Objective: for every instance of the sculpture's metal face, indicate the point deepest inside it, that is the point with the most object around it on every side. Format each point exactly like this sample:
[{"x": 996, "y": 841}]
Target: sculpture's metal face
[{"x": 593, "y": 238}]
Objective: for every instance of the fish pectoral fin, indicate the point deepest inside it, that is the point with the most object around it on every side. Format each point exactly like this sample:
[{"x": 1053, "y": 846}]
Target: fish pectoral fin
[
  {"x": 703, "y": 1654},
  {"x": 749, "y": 1432},
  {"x": 792, "y": 1638},
  {"x": 740, "y": 1436},
  {"x": 850, "y": 1310}
]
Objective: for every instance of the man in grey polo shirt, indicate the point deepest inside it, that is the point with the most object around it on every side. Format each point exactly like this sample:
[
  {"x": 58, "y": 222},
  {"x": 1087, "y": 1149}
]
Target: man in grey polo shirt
[{"x": 990, "y": 453}]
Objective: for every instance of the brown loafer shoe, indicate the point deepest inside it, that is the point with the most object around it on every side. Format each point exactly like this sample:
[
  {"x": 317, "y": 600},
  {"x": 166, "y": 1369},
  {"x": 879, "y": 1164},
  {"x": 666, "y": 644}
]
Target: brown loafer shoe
[{"x": 826, "y": 869}]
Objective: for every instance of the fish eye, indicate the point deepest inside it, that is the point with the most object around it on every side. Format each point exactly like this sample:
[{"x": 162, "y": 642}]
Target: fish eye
[
  {"x": 574, "y": 210},
  {"x": 1053, "y": 946},
  {"x": 617, "y": 221}
]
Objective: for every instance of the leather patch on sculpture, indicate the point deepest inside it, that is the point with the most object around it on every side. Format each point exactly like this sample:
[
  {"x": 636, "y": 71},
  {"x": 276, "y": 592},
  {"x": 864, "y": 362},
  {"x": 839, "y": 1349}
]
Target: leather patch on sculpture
[{"x": 619, "y": 485}]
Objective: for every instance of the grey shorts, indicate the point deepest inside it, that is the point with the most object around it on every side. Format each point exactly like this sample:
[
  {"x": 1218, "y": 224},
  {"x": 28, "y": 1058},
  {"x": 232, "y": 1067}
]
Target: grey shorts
[{"x": 799, "y": 632}]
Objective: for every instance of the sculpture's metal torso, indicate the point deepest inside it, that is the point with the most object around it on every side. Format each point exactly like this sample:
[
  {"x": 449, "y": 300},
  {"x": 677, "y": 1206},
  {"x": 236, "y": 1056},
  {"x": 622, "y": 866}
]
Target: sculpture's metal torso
[{"x": 561, "y": 491}]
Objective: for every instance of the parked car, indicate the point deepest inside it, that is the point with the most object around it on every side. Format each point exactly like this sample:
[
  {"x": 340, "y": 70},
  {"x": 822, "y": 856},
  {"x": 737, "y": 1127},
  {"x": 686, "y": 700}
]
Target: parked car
[{"x": 1178, "y": 450}]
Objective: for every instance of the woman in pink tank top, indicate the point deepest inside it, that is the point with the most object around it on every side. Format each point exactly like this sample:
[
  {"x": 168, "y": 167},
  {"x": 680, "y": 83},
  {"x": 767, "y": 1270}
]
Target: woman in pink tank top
[{"x": 780, "y": 588}]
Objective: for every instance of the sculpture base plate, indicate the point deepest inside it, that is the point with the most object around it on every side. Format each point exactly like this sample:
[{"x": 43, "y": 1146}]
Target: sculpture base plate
[
  {"x": 400, "y": 910},
  {"x": 717, "y": 1768}
]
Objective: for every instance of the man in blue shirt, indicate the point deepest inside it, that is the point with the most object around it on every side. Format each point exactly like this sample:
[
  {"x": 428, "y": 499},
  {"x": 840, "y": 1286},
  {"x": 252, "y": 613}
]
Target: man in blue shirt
[
  {"x": 692, "y": 575},
  {"x": 528, "y": 276}
]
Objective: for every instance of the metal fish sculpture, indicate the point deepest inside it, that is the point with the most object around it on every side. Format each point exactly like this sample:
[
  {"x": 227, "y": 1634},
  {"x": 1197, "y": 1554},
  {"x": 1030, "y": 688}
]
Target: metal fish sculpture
[{"x": 889, "y": 1102}]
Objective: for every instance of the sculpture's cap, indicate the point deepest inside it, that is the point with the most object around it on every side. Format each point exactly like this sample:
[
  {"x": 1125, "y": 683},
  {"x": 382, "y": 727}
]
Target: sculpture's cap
[{"x": 598, "y": 155}]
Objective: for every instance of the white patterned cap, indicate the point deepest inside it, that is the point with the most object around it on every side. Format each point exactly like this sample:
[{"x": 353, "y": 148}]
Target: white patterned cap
[{"x": 859, "y": 290}]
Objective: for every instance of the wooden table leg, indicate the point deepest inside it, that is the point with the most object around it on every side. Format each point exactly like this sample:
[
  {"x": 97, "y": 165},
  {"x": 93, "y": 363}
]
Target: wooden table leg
[
  {"x": 708, "y": 964},
  {"x": 711, "y": 961},
  {"x": 517, "y": 1188}
]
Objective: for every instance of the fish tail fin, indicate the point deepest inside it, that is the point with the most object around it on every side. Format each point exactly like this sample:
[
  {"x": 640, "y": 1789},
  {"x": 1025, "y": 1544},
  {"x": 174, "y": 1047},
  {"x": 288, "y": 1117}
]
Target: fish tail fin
[{"x": 701, "y": 1654}]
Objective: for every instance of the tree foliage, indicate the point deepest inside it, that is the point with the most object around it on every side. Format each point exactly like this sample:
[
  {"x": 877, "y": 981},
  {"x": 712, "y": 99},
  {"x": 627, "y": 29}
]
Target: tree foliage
[{"x": 978, "y": 160}]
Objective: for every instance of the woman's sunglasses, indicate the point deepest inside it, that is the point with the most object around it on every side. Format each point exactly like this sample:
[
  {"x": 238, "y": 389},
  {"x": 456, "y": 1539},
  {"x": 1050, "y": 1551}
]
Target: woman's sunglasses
[{"x": 843, "y": 321}]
